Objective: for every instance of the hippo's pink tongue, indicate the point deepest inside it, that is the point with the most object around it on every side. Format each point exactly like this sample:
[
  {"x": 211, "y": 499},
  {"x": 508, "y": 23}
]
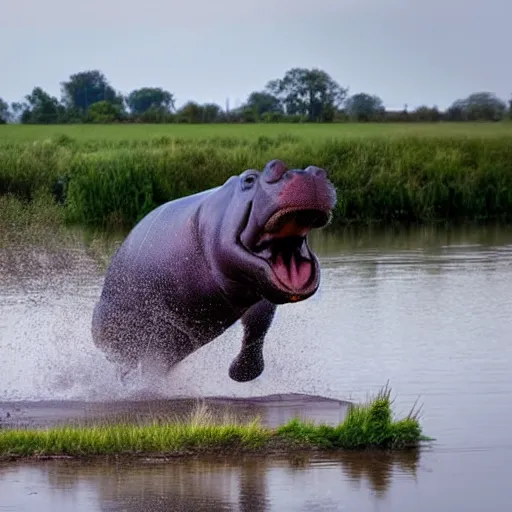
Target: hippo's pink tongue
[{"x": 296, "y": 274}]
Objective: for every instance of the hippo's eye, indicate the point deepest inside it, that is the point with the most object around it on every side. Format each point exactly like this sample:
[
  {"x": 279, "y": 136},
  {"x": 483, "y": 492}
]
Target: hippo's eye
[{"x": 248, "y": 181}]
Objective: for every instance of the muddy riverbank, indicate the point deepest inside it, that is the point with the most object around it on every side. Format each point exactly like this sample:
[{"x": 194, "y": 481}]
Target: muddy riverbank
[{"x": 273, "y": 410}]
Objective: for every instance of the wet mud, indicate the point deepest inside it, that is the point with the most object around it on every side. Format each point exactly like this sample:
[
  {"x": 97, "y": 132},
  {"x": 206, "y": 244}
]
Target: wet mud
[{"x": 272, "y": 410}]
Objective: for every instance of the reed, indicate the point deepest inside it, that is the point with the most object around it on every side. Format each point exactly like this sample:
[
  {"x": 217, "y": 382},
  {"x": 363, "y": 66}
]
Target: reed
[{"x": 404, "y": 178}]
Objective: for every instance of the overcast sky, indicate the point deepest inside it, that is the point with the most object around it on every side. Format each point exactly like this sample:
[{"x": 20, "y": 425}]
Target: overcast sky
[{"x": 406, "y": 51}]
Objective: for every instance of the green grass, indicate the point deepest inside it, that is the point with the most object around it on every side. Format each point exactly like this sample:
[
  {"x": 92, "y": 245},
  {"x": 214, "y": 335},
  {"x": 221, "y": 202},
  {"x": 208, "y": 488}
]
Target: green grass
[
  {"x": 138, "y": 132},
  {"x": 366, "y": 426},
  {"x": 114, "y": 175}
]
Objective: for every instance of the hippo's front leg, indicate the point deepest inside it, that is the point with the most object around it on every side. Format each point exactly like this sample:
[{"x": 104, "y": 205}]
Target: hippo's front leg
[{"x": 249, "y": 363}]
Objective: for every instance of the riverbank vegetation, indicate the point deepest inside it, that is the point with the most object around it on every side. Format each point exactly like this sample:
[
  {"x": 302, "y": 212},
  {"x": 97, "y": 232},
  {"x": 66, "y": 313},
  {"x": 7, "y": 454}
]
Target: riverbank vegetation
[
  {"x": 366, "y": 426},
  {"x": 393, "y": 177}
]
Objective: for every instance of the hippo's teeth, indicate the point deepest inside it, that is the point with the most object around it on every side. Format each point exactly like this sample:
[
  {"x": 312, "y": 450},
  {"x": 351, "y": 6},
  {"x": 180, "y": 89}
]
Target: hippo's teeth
[
  {"x": 304, "y": 252},
  {"x": 266, "y": 252}
]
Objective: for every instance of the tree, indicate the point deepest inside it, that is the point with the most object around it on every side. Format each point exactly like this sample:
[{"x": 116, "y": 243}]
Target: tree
[
  {"x": 5, "y": 115},
  {"x": 88, "y": 87},
  {"x": 243, "y": 114},
  {"x": 510, "y": 108},
  {"x": 154, "y": 115},
  {"x": 141, "y": 100},
  {"x": 193, "y": 112},
  {"x": 211, "y": 112},
  {"x": 262, "y": 102},
  {"x": 364, "y": 107},
  {"x": 190, "y": 112},
  {"x": 455, "y": 112},
  {"x": 427, "y": 114},
  {"x": 479, "y": 106},
  {"x": 41, "y": 108},
  {"x": 17, "y": 109},
  {"x": 308, "y": 92},
  {"x": 486, "y": 106},
  {"x": 103, "y": 112}
]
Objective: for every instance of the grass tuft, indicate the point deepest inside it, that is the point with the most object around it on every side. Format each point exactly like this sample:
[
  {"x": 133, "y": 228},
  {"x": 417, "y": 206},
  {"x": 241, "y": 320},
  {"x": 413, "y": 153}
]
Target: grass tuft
[{"x": 367, "y": 426}]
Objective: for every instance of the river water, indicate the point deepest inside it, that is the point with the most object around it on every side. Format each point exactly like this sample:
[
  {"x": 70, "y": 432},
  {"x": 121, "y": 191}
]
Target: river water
[{"x": 427, "y": 309}]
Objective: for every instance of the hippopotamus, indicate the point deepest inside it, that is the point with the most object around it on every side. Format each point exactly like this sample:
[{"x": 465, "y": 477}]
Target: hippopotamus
[{"x": 196, "y": 265}]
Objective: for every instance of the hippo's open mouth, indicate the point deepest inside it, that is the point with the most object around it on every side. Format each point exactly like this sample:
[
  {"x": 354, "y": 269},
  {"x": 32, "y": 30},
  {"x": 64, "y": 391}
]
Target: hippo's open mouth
[{"x": 283, "y": 244}]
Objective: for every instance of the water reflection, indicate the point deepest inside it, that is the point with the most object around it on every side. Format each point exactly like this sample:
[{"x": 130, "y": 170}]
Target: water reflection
[
  {"x": 388, "y": 239},
  {"x": 248, "y": 484}
]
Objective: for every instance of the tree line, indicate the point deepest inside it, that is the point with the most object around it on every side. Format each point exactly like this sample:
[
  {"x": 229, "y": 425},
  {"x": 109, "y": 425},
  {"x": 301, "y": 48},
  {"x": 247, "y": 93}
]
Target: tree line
[{"x": 301, "y": 95}]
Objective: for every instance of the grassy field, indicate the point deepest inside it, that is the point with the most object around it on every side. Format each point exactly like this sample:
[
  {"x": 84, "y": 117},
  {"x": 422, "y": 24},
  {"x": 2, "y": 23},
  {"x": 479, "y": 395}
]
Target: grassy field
[
  {"x": 113, "y": 133},
  {"x": 113, "y": 175},
  {"x": 366, "y": 426}
]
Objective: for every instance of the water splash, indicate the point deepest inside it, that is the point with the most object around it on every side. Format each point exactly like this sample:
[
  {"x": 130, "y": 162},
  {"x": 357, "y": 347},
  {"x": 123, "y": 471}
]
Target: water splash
[{"x": 47, "y": 352}]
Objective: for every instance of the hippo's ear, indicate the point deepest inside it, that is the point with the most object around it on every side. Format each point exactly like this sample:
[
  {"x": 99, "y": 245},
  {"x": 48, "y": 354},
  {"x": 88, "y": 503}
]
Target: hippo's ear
[
  {"x": 317, "y": 171},
  {"x": 274, "y": 170}
]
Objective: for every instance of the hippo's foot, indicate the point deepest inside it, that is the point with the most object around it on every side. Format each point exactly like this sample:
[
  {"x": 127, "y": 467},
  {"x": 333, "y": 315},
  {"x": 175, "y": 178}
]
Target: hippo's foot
[{"x": 247, "y": 366}]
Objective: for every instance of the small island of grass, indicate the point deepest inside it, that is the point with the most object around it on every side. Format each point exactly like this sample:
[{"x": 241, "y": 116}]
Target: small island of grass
[{"x": 366, "y": 426}]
